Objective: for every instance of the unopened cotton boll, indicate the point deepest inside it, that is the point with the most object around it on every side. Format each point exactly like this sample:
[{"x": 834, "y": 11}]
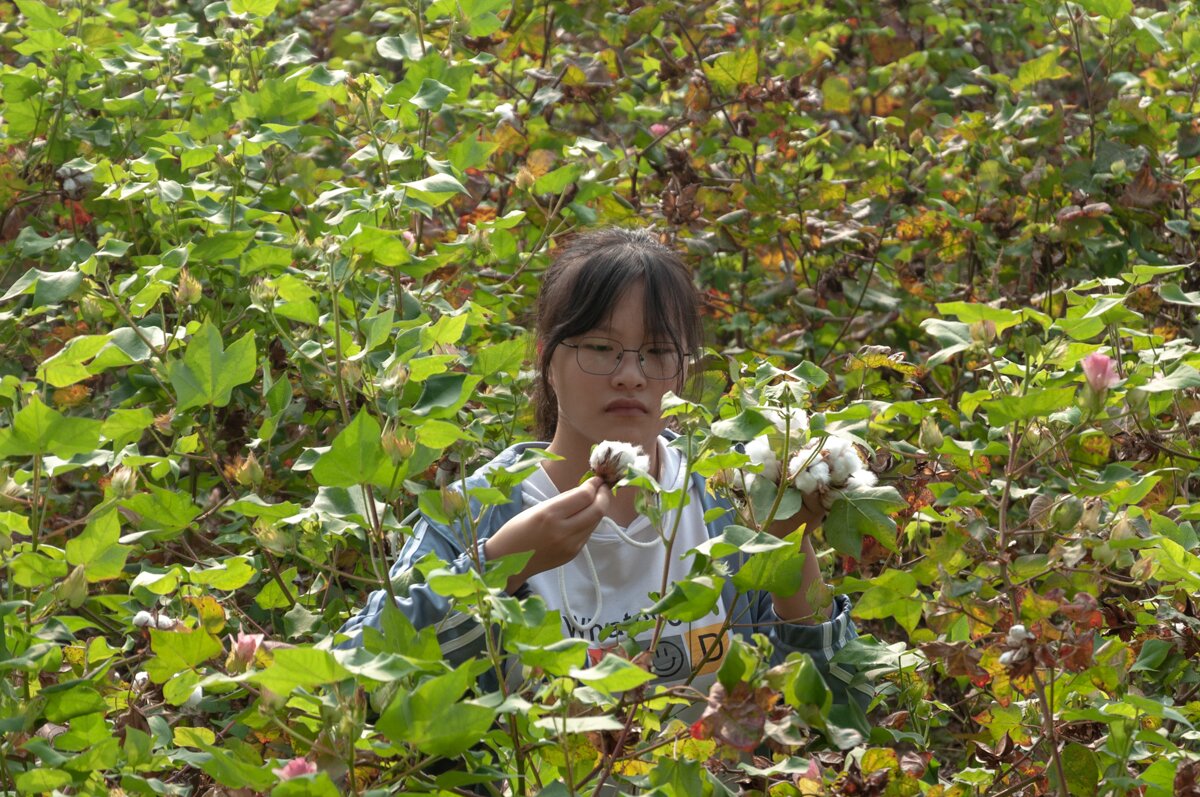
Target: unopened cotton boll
[
  {"x": 760, "y": 452},
  {"x": 610, "y": 460}
]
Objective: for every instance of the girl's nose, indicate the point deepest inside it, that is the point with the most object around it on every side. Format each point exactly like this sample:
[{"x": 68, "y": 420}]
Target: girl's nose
[{"x": 629, "y": 371}]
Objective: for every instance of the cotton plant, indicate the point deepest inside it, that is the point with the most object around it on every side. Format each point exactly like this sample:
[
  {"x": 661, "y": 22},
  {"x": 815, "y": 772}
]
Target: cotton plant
[{"x": 825, "y": 465}]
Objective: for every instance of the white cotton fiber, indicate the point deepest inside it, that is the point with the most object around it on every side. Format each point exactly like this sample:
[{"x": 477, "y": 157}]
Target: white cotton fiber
[
  {"x": 760, "y": 452},
  {"x": 144, "y": 619},
  {"x": 861, "y": 480},
  {"x": 793, "y": 421},
  {"x": 611, "y": 459},
  {"x": 805, "y": 482}
]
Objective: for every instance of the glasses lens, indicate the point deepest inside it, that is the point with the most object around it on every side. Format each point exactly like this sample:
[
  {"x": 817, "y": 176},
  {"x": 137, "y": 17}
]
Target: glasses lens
[
  {"x": 598, "y": 355},
  {"x": 660, "y": 360}
]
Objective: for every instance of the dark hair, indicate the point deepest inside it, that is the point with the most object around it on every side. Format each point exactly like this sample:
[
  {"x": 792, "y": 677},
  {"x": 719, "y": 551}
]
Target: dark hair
[{"x": 588, "y": 276}]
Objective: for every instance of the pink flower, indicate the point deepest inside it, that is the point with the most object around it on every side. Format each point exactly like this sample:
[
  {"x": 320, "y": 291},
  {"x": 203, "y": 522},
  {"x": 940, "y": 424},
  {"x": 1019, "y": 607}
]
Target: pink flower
[
  {"x": 245, "y": 646},
  {"x": 659, "y": 129},
  {"x": 1101, "y": 371},
  {"x": 296, "y": 768}
]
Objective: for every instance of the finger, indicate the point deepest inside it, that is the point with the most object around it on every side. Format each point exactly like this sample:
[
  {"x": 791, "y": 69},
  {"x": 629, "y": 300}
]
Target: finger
[{"x": 572, "y": 501}]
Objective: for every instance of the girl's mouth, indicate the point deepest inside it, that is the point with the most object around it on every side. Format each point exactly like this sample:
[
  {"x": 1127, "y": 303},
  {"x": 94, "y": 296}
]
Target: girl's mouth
[{"x": 625, "y": 407}]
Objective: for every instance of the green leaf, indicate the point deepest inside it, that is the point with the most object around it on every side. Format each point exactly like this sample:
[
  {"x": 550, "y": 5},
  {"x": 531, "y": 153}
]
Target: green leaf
[
  {"x": 355, "y": 455},
  {"x": 1176, "y": 295},
  {"x": 779, "y": 571},
  {"x": 556, "y": 658},
  {"x": 504, "y": 357},
  {"x": 208, "y": 372},
  {"x": 864, "y": 512},
  {"x": 1113, "y": 9},
  {"x": 176, "y": 651},
  {"x": 1034, "y": 404},
  {"x": 954, "y": 336},
  {"x": 612, "y": 674},
  {"x": 233, "y": 573},
  {"x": 97, "y": 549},
  {"x": 443, "y": 393},
  {"x": 39, "y": 15},
  {"x": 38, "y": 430},
  {"x": 237, "y": 770},
  {"x": 318, "y": 785},
  {"x": 42, "y": 780},
  {"x": 32, "y": 569},
  {"x": 300, "y": 667},
  {"x": 736, "y": 539},
  {"x": 1182, "y": 378},
  {"x": 1152, "y": 655},
  {"x": 1044, "y": 67},
  {"x": 162, "y": 510},
  {"x": 746, "y": 425},
  {"x": 398, "y": 48},
  {"x": 690, "y": 599},
  {"x": 556, "y": 181},
  {"x": 730, "y": 71},
  {"x": 838, "y": 95},
  {"x": 76, "y": 701},
  {"x": 970, "y": 312},
  {"x": 221, "y": 246},
  {"x": 258, "y": 8},
  {"x": 1081, "y": 768},
  {"x": 431, "y": 95},
  {"x": 437, "y": 189},
  {"x": 434, "y": 718}
]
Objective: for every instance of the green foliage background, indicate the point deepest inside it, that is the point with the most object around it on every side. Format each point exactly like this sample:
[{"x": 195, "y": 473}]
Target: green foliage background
[{"x": 266, "y": 271}]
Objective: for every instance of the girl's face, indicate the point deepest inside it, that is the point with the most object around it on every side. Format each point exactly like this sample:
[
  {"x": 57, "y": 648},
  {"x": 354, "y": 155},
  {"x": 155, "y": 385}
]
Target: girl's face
[{"x": 624, "y": 405}]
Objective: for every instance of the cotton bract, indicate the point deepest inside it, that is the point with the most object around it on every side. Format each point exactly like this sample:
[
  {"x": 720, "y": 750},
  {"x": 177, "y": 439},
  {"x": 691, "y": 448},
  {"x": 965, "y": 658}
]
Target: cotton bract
[{"x": 611, "y": 460}]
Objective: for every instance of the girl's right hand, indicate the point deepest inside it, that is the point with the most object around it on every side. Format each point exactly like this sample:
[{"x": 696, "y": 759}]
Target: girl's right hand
[{"x": 555, "y": 530}]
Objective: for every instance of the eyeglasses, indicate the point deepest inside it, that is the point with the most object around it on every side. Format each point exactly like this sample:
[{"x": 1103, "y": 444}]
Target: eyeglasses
[{"x": 602, "y": 356}]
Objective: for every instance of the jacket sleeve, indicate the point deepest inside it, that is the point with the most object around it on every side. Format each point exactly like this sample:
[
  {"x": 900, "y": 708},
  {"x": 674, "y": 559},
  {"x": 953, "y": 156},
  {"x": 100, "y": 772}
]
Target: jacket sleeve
[
  {"x": 459, "y": 635},
  {"x": 820, "y": 641}
]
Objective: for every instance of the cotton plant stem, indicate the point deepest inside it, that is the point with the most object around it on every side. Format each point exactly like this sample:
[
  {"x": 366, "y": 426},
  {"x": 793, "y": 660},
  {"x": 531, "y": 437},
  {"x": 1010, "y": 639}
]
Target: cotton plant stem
[{"x": 1051, "y": 736}]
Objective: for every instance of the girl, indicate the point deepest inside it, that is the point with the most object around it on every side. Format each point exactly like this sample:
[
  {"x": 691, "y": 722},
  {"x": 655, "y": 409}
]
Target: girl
[{"x": 617, "y": 321}]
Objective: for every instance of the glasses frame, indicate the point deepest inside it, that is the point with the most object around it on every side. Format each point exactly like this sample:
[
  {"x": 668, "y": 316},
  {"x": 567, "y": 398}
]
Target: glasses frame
[{"x": 621, "y": 354}]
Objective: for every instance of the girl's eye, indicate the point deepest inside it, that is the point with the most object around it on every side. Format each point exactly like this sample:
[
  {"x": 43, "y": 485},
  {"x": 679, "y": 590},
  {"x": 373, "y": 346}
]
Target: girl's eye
[
  {"x": 597, "y": 345},
  {"x": 660, "y": 350}
]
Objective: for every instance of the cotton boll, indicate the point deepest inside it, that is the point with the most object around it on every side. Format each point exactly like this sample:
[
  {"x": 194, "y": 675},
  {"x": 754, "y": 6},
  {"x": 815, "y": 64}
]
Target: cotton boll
[
  {"x": 820, "y": 472},
  {"x": 851, "y": 462},
  {"x": 862, "y": 479},
  {"x": 760, "y": 452},
  {"x": 794, "y": 421},
  {"x": 805, "y": 482},
  {"x": 1018, "y": 634},
  {"x": 141, "y": 680},
  {"x": 194, "y": 698},
  {"x": 144, "y": 619},
  {"x": 840, "y": 468},
  {"x": 836, "y": 445},
  {"x": 610, "y": 460},
  {"x": 803, "y": 458}
]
